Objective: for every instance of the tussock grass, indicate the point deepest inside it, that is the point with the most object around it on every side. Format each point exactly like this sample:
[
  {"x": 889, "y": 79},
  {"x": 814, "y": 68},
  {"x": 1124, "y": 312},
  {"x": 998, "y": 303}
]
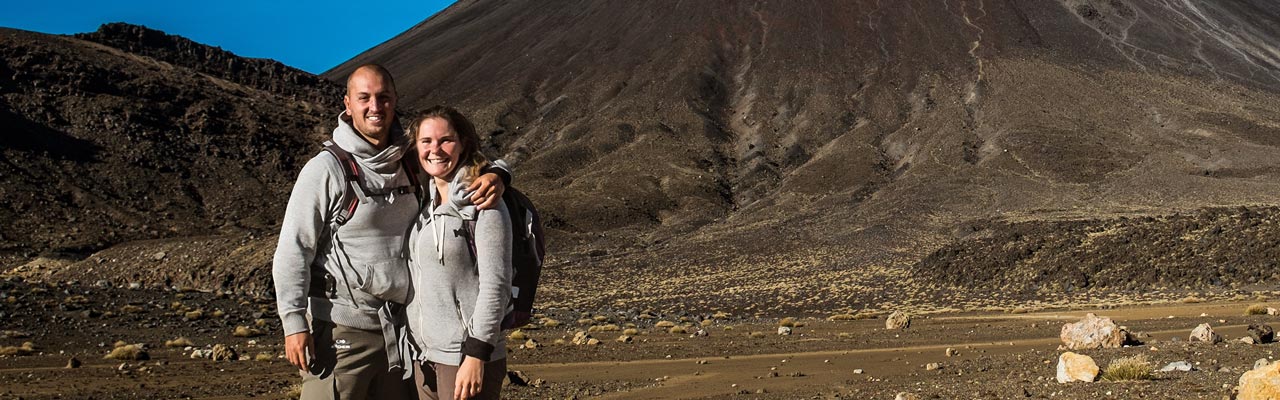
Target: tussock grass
[
  {"x": 678, "y": 330},
  {"x": 179, "y": 342},
  {"x": 841, "y": 317},
  {"x": 518, "y": 336},
  {"x": 550, "y": 323},
  {"x": 264, "y": 357},
  {"x": 1132, "y": 368},
  {"x": 787, "y": 322},
  {"x": 1256, "y": 309},
  {"x": 757, "y": 335},
  {"x": 26, "y": 349},
  {"x": 631, "y": 332},
  {"x": 128, "y": 352},
  {"x": 245, "y": 331},
  {"x": 1191, "y": 300},
  {"x": 664, "y": 324}
]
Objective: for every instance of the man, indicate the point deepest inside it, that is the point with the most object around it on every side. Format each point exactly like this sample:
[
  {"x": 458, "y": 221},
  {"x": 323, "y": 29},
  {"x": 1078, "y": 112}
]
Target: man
[{"x": 340, "y": 281}]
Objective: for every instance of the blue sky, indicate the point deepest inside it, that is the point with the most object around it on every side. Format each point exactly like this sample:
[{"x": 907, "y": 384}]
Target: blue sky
[{"x": 311, "y": 35}]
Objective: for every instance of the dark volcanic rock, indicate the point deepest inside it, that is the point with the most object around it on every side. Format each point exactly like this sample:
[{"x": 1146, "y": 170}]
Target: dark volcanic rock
[{"x": 102, "y": 147}]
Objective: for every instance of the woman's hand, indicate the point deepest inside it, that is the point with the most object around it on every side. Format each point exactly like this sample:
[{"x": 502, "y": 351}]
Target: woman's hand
[
  {"x": 487, "y": 191},
  {"x": 470, "y": 378}
]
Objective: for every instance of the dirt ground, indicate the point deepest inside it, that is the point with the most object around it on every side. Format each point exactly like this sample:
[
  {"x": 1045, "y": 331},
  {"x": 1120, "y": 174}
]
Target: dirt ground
[{"x": 1000, "y": 355}]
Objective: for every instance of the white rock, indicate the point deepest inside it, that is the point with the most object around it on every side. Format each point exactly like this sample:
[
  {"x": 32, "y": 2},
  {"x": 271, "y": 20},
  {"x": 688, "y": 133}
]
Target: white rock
[
  {"x": 1177, "y": 366},
  {"x": 1204, "y": 333},
  {"x": 1092, "y": 332},
  {"x": 784, "y": 330},
  {"x": 1074, "y": 367}
]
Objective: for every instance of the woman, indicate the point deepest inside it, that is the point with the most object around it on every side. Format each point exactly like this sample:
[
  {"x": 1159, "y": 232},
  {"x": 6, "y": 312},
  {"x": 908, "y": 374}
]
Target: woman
[{"x": 460, "y": 290}]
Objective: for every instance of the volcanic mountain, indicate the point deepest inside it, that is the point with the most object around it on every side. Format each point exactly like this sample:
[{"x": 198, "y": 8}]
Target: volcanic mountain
[
  {"x": 125, "y": 143},
  {"x": 752, "y": 156},
  {"x": 808, "y": 154}
]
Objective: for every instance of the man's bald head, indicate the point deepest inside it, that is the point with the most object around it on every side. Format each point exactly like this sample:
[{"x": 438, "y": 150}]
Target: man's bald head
[{"x": 376, "y": 70}]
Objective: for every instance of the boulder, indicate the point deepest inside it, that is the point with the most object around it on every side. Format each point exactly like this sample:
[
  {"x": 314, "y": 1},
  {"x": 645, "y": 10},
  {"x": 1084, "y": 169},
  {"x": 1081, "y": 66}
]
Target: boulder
[
  {"x": 1092, "y": 332},
  {"x": 897, "y": 320},
  {"x": 1272, "y": 311},
  {"x": 1204, "y": 333},
  {"x": 1261, "y": 383},
  {"x": 1074, "y": 367},
  {"x": 1262, "y": 334}
]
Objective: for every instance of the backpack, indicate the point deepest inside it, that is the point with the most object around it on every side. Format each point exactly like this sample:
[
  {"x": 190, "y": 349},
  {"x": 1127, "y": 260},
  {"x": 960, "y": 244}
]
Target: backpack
[
  {"x": 351, "y": 173},
  {"x": 528, "y": 249}
]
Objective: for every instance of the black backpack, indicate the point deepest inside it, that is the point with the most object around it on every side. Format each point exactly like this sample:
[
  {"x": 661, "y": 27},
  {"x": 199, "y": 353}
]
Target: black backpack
[{"x": 528, "y": 249}]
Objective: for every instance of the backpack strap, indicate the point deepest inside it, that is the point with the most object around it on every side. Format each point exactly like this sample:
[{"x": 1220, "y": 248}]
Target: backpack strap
[{"x": 351, "y": 178}]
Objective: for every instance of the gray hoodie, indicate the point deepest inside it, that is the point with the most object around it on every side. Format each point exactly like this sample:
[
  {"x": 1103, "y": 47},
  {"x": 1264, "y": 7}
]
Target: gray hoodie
[
  {"x": 365, "y": 258},
  {"x": 458, "y": 301}
]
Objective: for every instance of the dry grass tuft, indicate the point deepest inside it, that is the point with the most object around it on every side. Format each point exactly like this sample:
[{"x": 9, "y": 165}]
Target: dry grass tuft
[
  {"x": 757, "y": 335},
  {"x": 1256, "y": 309},
  {"x": 129, "y": 352},
  {"x": 787, "y": 322},
  {"x": 130, "y": 309},
  {"x": 631, "y": 332},
  {"x": 179, "y": 342},
  {"x": 26, "y": 349},
  {"x": 1191, "y": 300},
  {"x": 264, "y": 357},
  {"x": 245, "y": 331},
  {"x": 664, "y": 324},
  {"x": 1133, "y": 368},
  {"x": 678, "y": 330},
  {"x": 518, "y": 336},
  {"x": 841, "y": 317},
  {"x": 550, "y": 323}
]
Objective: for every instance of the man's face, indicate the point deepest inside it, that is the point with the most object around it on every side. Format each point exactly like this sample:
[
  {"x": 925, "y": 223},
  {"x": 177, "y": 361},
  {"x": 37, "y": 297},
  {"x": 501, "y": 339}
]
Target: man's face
[{"x": 371, "y": 103}]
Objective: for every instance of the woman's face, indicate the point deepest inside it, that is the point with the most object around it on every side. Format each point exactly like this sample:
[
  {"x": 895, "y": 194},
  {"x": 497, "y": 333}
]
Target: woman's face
[{"x": 438, "y": 148}]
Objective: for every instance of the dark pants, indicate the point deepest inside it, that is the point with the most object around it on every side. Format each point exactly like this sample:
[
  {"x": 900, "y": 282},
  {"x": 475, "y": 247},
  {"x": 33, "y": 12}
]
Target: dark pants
[
  {"x": 436, "y": 381},
  {"x": 351, "y": 364}
]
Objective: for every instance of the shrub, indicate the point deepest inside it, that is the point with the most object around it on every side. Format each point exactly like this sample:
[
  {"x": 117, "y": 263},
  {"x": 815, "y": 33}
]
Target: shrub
[
  {"x": 129, "y": 352},
  {"x": 550, "y": 323},
  {"x": 787, "y": 322},
  {"x": 677, "y": 330},
  {"x": 631, "y": 332},
  {"x": 841, "y": 317},
  {"x": 26, "y": 349},
  {"x": 518, "y": 336},
  {"x": 1133, "y": 368},
  {"x": 1256, "y": 309},
  {"x": 609, "y": 328},
  {"x": 179, "y": 342},
  {"x": 1191, "y": 300},
  {"x": 264, "y": 357},
  {"x": 600, "y": 318},
  {"x": 664, "y": 324},
  {"x": 757, "y": 335},
  {"x": 244, "y": 331},
  {"x": 130, "y": 309}
]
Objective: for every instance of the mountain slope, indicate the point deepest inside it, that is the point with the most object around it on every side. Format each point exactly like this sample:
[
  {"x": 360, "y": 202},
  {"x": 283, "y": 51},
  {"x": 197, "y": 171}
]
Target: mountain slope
[{"x": 754, "y": 146}]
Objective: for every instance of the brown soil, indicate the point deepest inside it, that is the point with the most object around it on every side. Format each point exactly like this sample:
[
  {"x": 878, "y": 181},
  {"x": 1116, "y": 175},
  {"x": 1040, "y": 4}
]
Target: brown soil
[{"x": 1001, "y": 355}]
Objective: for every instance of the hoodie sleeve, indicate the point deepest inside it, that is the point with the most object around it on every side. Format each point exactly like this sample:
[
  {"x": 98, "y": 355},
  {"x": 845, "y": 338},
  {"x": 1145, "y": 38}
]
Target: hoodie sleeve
[
  {"x": 313, "y": 200},
  {"x": 501, "y": 169},
  {"x": 493, "y": 260}
]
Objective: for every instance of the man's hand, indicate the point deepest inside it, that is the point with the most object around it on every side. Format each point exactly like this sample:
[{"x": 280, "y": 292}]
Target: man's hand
[
  {"x": 487, "y": 191},
  {"x": 299, "y": 348},
  {"x": 470, "y": 379}
]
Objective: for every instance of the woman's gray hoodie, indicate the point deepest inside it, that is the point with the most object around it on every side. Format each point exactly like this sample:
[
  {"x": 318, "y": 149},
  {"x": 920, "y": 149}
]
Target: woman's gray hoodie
[{"x": 458, "y": 300}]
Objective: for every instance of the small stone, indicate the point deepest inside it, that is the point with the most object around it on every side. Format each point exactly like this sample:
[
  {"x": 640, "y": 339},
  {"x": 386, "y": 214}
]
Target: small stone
[
  {"x": 1262, "y": 362},
  {"x": 784, "y": 330},
  {"x": 1247, "y": 340},
  {"x": 518, "y": 378},
  {"x": 158, "y": 256},
  {"x": 1074, "y": 367},
  {"x": 952, "y": 352},
  {"x": 858, "y": 371},
  {"x": 932, "y": 367},
  {"x": 593, "y": 342},
  {"x": 906, "y": 396},
  {"x": 135, "y": 285},
  {"x": 1177, "y": 366},
  {"x": 1272, "y": 311},
  {"x": 74, "y": 363}
]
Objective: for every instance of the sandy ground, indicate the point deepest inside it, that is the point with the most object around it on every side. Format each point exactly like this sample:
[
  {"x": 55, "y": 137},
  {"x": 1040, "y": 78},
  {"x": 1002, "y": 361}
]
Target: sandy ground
[{"x": 999, "y": 355}]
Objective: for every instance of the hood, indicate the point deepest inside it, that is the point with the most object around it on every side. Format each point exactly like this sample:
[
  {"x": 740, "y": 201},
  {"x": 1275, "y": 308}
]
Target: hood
[{"x": 384, "y": 161}]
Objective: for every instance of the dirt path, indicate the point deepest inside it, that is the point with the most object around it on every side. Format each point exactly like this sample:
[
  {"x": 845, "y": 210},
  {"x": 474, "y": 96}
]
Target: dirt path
[{"x": 801, "y": 372}]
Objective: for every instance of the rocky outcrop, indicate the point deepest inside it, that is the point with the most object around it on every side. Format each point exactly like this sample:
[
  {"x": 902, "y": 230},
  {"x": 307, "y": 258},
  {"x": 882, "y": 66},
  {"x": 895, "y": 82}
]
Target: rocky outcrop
[
  {"x": 1204, "y": 334},
  {"x": 1261, "y": 383},
  {"x": 1093, "y": 332}
]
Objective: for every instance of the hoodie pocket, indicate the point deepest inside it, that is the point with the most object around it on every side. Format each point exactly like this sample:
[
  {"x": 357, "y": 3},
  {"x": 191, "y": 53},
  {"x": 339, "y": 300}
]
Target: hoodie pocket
[{"x": 386, "y": 280}]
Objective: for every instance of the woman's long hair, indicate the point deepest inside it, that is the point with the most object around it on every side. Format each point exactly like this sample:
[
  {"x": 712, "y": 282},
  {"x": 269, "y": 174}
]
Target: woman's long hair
[{"x": 470, "y": 155}]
